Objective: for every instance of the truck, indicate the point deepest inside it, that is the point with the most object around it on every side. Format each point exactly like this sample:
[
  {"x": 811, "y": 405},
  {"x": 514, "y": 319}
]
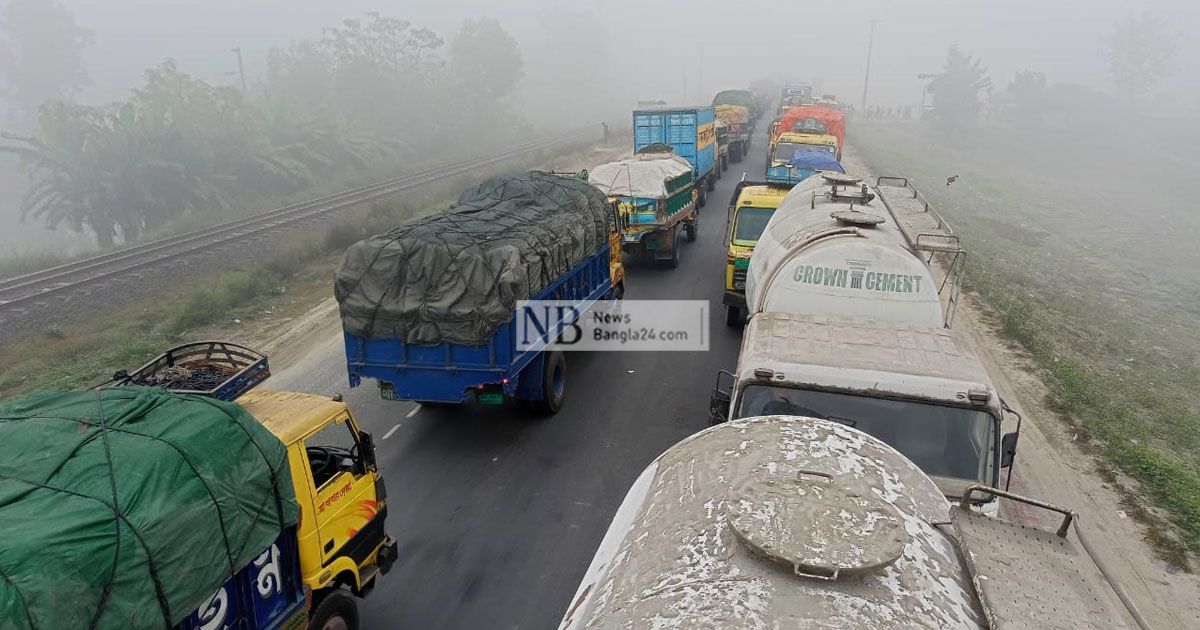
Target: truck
[
  {"x": 739, "y": 122},
  {"x": 835, "y": 246},
  {"x": 691, "y": 132},
  {"x": 846, "y": 317},
  {"x": 655, "y": 198},
  {"x": 811, "y": 119},
  {"x": 920, "y": 389},
  {"x": 452, "y": 334},
  {"x": 750, "y": 209},
  {"x": 783, "y": 521},
  {"x": 797, "y": 156},
  {"x": 250, "y": 509},
  {"x": 795, "y": 93}
]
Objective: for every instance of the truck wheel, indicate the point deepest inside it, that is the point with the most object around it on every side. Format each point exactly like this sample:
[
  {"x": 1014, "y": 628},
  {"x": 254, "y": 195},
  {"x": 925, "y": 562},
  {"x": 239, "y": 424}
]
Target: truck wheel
[
  {"x": 690, "y": 229},
  {"x": 710, "y": 183},
  {"x": 735, "y": 153},
  {"x": 619, "y": 291},
  {"x": 337, "y": 611},
  {"x": 703, "y": 198},
  {"x": 733, "y": 316},
  {"x": 554, "y": 383}
]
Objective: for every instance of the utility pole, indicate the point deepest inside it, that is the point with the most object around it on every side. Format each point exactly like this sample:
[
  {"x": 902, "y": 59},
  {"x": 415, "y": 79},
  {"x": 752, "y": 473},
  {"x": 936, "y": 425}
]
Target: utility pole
[
  {"x": 241, "y": 67},
  {"x": 867, "y": 78}
]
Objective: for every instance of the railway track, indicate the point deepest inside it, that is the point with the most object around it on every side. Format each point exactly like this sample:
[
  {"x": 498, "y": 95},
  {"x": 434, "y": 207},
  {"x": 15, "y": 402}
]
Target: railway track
[{"x": 19, "y": 293}]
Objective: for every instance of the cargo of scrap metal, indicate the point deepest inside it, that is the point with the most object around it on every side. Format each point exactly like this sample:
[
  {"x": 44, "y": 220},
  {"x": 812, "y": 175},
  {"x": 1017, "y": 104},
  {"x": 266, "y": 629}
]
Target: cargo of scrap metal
[
  {"x": 428, "y": 308},
  {"x": 95, "y": 489}
]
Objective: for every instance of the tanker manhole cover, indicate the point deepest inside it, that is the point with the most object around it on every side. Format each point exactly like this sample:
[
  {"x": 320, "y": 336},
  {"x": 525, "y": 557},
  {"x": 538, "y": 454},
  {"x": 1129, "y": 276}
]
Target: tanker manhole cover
[{"x": 814, "y": 525}]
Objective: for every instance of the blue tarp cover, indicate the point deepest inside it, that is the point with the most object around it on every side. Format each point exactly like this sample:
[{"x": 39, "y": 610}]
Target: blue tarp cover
[{"x": 815, "y": 159}]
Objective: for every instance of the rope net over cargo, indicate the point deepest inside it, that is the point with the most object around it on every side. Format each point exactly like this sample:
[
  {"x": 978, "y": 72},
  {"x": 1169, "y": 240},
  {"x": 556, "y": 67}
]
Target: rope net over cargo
[
  {"x": 129, "y": 507},
  {"x": 456, "y": 276}
]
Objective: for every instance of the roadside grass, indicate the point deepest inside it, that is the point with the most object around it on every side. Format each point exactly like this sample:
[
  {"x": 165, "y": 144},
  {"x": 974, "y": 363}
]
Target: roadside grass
[
  {"x": 84, "y": 354},
  {"x": 1069, "y": 260}
]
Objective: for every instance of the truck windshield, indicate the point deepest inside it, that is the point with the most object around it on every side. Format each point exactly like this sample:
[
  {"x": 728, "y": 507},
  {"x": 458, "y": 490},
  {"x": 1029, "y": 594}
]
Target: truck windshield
[
  {"x": 945, "y": 442},
  {"x": 749, "y": 224},
  {"x": 785, "y": 151}
]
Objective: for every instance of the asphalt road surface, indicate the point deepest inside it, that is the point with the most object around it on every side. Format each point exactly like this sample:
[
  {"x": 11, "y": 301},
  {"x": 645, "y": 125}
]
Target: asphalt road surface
[{"x": 498, "y": 513}]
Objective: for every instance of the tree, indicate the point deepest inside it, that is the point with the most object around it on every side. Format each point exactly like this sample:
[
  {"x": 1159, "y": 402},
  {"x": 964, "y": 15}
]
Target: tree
[
  {"x": 956, "y": 90},
  {"x": 1140, "y": 52},
  {"x": 485, "y": 58},
  {"x": 41, "y": 58},
  {"x": 1026, "y": 93}
]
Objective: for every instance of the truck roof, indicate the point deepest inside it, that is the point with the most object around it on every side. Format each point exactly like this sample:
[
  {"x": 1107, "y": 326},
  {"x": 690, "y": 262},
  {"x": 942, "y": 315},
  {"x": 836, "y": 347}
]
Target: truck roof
[
  {"x": 933, "y": 363},
  {"x": 761, "y": 196},
  {"x": 671, "y": 108},
  {"x": 290, "y": 416}
]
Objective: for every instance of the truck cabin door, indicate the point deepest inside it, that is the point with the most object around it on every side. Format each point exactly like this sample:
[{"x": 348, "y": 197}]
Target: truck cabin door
[{"x": 345, "y": 503}]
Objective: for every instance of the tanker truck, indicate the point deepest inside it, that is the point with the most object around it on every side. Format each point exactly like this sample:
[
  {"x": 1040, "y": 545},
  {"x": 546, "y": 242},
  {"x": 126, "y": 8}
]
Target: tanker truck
[
  {"x": 846, "y": 323},
  {"x": 793, "y": 522}
]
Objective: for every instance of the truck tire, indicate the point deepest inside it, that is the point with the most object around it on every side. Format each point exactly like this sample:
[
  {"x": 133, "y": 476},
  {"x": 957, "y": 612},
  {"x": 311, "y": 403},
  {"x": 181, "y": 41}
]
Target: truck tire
[
  {"x": 735, "y": 153},
  {"x": 710, "y": 183},
  {"x": 700, "y": 203},
  {"x": 690, "y": 228},
  {"x": 733, "y": 316},
  {"x": 619, "y": 291},
  {"x": 554, "y": 383},
  {"x": 337, "y": 611}
]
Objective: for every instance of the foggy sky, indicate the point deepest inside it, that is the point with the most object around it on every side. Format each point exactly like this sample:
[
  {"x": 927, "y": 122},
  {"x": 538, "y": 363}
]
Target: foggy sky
[{"x": 656, "y": 47}]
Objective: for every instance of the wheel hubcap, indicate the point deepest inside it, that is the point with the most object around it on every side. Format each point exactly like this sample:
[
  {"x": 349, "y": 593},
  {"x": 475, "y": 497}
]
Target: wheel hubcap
[{"x": 335, "y": 623}]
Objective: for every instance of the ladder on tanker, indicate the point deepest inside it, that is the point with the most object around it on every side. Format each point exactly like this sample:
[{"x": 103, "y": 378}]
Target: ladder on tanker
[{"x": 927, "y": 234}]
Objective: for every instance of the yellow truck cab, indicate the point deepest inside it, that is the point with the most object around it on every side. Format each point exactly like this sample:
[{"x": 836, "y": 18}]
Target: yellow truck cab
[
  {"x": 343, "y": 508},
  {"x": 825, "y": 142},
  {"x": 750, "y": 209},
  {"x": 341, "y": 533}
]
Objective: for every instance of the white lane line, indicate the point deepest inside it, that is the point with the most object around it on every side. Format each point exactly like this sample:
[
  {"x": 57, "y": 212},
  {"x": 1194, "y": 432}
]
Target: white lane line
[
  {"x": 391, "y": 431},
  {"x": 413, "y": 412}
]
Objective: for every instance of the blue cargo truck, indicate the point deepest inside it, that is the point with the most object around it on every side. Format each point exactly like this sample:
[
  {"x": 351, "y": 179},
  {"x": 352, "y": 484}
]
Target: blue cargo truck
[
  {"x": 690, "y": 131},
  {"x": 267, "y": 594},
  {"x": 430, "y": 310}
]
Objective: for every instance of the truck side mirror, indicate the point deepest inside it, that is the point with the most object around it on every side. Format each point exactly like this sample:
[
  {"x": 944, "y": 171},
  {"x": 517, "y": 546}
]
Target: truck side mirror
[
  {"x": 718, "y": 406},
  {"x": 367, "y": 444},
  {"x": 1008, "y": 449}
]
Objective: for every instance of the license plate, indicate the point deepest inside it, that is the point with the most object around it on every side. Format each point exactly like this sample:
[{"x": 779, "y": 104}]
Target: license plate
[
  {"x": 387, "y": 391},
  {"x": 491, "y": 398}
]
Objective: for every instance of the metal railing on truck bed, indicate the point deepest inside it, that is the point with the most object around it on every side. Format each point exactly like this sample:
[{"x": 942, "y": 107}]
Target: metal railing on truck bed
[
  {"x": 207, "y": 368},
  {"x": 927, "y": 234}
]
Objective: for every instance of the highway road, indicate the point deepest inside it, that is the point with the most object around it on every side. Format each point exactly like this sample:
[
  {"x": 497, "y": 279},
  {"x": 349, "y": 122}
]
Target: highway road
[{"x": 498, "y": 513}]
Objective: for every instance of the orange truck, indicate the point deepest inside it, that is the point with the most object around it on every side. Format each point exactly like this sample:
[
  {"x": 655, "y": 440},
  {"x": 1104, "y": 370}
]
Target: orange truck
[{"x": 811, "y": 119}]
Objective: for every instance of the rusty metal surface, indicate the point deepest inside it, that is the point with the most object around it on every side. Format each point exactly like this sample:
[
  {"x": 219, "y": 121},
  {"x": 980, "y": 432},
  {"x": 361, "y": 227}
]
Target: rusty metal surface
[{"x": 1033, "y": 579}]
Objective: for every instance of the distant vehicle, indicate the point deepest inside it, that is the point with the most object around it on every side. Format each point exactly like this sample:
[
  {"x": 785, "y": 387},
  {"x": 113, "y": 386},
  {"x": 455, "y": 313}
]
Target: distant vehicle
[
  {"x": 451, "y": 335},
  {"x": 793, "y": 94},
  {"x": 750, "y": 209},
  {"x": 738, "y": 109},
  {"x": 785, "y": 521},
  {"x": 797, "y": 156},
  {"x": 689, "y": 131},
  {"x": 656, "y": 203},
  {"x": 811, "y": 119}
]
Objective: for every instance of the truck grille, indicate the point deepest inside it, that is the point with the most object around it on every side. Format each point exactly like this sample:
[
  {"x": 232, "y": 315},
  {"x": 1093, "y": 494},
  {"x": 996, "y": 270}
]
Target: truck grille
[{"x": 739, "y": 279}]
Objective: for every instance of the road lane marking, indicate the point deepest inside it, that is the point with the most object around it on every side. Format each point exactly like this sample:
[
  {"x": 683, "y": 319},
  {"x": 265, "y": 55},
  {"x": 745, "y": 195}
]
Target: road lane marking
[
  {"x": 391, "y": 431},
  {"x": 413, "y": 411}
]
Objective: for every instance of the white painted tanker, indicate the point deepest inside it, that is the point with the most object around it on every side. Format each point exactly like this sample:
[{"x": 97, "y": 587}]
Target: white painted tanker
[
  {"x": 782, "y": 522},
  {"x": 834, "y": 248}
]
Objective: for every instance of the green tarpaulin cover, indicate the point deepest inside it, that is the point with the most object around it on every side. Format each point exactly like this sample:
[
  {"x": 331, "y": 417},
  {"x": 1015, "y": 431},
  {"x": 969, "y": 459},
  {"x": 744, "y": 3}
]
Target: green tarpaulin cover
[{"x": 128, "y": 507}]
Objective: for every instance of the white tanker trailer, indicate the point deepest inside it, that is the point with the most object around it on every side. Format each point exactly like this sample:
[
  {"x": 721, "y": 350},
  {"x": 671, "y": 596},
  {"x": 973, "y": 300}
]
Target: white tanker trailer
[
  {"x": 782, "y": 522},
  {"x": 834, "y": 247}
]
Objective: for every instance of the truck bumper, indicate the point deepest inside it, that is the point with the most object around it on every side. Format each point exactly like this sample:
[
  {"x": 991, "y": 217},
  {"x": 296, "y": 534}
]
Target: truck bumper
[{"x": 734, "y": 298}]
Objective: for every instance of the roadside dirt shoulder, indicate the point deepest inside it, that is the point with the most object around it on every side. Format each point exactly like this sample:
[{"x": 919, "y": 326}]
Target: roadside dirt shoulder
[{"x": 1052, "y": 466}]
